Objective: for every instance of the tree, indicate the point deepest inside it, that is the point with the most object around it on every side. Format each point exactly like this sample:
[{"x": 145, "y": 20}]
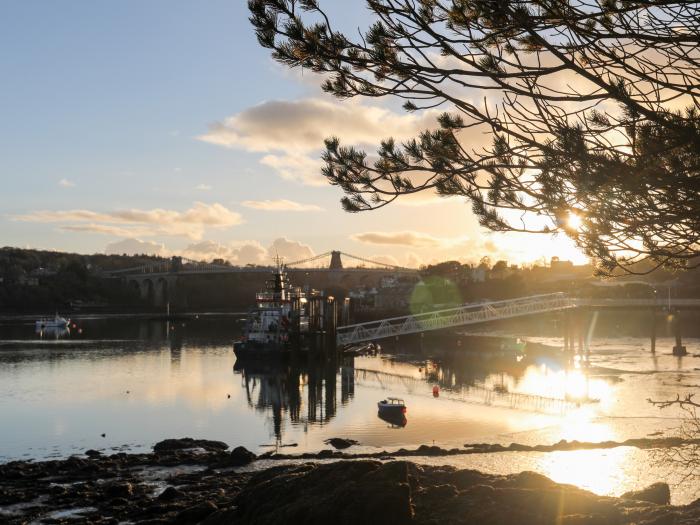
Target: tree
[
  {"x": 682, "y": 451},
  {"x": 590, "y": 109}
]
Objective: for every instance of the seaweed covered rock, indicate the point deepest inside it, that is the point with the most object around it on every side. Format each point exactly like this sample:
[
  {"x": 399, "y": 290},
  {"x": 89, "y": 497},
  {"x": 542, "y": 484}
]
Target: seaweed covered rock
[
  {"x": 241, "y": 456},
  {"x": 340, "y": 443},
  {"x": 658, "y": 493},
  {"x": 171, "y": 445},
  {"x": 366, "y": 492}
]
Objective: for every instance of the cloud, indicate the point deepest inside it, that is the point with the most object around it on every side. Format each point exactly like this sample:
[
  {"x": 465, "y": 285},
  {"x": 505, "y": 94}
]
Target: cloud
[
  {"x": 206, "y": 251},
  {"x": 250, "y": 252},
  {"x": 105, "y": 229},
  {"x": 280, "y": 205},
  {"x": 135, "y": 247},
  {"x": 405, "y": 238},
  {"x": 412, "y": 260},
  {"x": 203, "y": 187},
  {"x": 292, "y": 132},
  {"x": 65, "y": 183},
  {"x": 190, "y": 223},
  {"x": 290, "y": 250},
  {"x": 302, "y": 125},
  {"x": 297, "y": 168},
  {"x": 238, "y": 253},
  {"x": 424, "y": 198}
]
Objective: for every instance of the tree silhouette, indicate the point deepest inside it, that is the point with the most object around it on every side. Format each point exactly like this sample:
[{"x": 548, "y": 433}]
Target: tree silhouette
[{"x": 578, "y": 116}]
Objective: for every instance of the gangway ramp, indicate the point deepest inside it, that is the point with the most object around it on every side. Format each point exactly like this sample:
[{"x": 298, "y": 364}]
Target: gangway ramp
[{"x": 452, "y": 317}]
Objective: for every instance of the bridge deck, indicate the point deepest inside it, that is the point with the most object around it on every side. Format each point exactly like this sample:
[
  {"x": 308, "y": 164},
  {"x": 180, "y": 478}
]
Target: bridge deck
[{"x": 452, "y": 317}]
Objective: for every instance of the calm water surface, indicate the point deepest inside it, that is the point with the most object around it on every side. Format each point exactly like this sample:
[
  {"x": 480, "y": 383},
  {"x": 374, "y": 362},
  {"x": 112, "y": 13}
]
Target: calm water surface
[{"x": 138, "y": 381}]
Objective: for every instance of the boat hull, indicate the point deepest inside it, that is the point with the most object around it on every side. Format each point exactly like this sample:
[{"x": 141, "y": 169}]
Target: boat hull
[
  {"x": 252, "y": 350},
  {"x": 51, "y": 324},
  {"x": 391, "y": 409}
]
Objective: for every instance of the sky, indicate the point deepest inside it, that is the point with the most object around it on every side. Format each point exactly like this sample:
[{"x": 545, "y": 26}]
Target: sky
[{"x": 164, "y": 127}]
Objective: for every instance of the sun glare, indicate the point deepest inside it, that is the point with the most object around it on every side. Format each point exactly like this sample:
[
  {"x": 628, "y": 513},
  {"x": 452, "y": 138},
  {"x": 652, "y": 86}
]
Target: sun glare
[{"x": 573, "y": 221}]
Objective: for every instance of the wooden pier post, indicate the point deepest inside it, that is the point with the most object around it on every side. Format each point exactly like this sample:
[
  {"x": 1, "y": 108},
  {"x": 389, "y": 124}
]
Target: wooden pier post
[
  {"x": 579, "y": 329},
  {"x": 653, "y": 330},
  {"x": 588, "y": 332},
  {"x": 679, "y": 349}
]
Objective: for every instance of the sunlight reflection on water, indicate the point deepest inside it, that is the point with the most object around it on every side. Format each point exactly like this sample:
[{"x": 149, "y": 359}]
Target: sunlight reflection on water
[{"x": 140, "y": 384}]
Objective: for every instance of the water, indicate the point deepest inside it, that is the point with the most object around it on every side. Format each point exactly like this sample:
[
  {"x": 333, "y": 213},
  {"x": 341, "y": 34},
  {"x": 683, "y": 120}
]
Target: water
[{"x": 138, "y": 381}]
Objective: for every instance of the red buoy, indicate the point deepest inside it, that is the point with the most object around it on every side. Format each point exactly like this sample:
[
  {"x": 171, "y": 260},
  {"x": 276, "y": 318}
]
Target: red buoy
[{"x": 436, "y": 391}]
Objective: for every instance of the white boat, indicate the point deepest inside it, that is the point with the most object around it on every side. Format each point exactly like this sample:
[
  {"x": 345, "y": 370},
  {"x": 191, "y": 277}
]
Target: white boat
[
  {"x": 280, "y": 316},
  {"x": 51, "y": 323},
  {"x": 393, "y": 405}
]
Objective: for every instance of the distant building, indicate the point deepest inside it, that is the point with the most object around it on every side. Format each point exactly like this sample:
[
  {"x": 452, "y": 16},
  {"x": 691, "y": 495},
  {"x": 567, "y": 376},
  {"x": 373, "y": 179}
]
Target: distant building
[
  {"x": 42, "y": 272},
  {"x": 559, "y": 266}
]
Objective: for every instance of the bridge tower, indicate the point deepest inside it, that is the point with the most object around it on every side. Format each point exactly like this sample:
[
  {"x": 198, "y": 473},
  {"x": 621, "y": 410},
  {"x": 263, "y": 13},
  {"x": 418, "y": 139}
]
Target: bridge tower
[{"x": 336, "y": 263}]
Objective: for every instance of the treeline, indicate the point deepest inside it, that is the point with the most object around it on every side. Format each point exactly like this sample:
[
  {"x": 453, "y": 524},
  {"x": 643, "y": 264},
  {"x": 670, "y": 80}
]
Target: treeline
[{"x": 34, "y": 280}]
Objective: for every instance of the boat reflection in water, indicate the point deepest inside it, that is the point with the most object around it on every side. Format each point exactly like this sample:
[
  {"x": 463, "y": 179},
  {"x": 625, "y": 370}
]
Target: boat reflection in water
[
  {"x": 395, "y": 419},
  {"x": 52, "y": 332},
  {"x": 303, "y": 399},
  {"x": 283, "y": 388}
]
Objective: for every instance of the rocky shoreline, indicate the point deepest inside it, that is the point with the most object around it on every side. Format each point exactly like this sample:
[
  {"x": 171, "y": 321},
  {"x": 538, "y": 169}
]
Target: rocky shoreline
[{"x": 198, "y": 481}]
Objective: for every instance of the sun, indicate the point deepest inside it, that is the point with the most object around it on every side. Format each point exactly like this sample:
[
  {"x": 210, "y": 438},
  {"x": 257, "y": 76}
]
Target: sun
[{"x": 573, "y": 221}]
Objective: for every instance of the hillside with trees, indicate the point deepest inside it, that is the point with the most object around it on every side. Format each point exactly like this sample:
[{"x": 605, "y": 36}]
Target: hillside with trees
[{"x": 40, "y": 280}]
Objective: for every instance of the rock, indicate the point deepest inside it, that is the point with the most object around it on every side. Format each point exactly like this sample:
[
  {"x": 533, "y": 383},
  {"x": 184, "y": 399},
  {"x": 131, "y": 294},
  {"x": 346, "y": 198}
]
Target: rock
[
  {"x": 658, "y": 493},
  {"x": 119, "y": 490},
  {"x": 221, "y": 517},
  {"x": 531, "y": 480},
  {"x": 170, "y": 494},
  {"x": 241, "y": 456},
  {"x": 427, "y": 450},
  {"x": 75, "y": 463},
  {"x": 195, "y": 514},
  {"x": 340, "y": 443},
  {"x": 440, "y": 492},
  {"x": 170, "y": 445},
  {"x": 93, "y": 453},
  {"x": 367, "y": 492}
]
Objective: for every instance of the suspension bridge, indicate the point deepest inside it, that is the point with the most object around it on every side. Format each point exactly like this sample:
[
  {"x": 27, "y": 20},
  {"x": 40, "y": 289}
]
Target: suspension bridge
[
  {"x": 333, "y": 260},
  {"x": 158, "y": 282}
]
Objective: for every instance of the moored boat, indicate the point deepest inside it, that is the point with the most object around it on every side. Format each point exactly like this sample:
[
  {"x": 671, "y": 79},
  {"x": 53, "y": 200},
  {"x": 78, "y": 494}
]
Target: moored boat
[
  {"x": 277, "y": 321},
  {"x": 392, "y": 405},
  {"x": 52, "y": 323}
]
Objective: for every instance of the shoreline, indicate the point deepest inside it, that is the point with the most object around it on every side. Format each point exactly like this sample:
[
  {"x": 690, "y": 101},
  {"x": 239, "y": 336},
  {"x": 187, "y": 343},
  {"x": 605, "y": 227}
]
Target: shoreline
[
  {"x": 201, "y": 481},
  {"x": 156, "y": 315}
]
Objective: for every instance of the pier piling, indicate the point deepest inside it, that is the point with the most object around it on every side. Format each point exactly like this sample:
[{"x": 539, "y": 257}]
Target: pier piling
[{"x": 679, "y": 349}]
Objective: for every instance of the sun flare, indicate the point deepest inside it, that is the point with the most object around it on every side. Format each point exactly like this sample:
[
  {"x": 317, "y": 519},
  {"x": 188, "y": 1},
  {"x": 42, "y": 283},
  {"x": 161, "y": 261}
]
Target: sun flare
[{"x": 574, "y": 221}]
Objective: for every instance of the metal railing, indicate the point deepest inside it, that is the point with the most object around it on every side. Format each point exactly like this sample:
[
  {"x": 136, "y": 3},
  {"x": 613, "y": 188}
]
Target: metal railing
[{"x": 452, "y": 317}]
